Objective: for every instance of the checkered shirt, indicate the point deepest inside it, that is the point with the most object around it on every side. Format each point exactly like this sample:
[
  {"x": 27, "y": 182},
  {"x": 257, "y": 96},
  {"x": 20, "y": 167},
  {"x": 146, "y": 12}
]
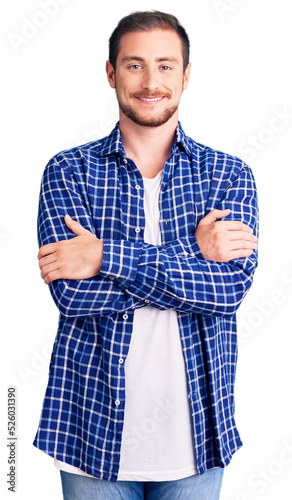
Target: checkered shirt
[{"x": 83, "y": 411}]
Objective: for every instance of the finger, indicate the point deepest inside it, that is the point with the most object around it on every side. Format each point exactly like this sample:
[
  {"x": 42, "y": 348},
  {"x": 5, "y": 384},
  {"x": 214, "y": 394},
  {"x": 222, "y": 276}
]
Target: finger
[
  {"x": 49, "y": 259},
  {"x": 235, "y": 254},
  {"x": 52, "y": 276},
  {"x": 214, "y": 215},
  {"x": 233, "y": 225},
  {"x": 74, "y": 226},
  {"x": 242, "y": 245},
  {"x": 242, "y": 235},
  {"x": 238, "y": 254},
  {"x": 50, "y": 268},
  {"x": 47, "y": 249}
]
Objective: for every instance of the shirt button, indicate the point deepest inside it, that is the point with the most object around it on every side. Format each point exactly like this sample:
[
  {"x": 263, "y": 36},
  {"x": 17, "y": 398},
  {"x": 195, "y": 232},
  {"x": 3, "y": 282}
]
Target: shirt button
[
  {"x": 117, "y": 402},
  {"x": 111, "y": 278},
  {"x": 125, "y": 161},
  {"x": 146, "y": 301},
  {"x": 121, "y": 361},
  {"x": 137, "y": 187},
  {"x": 137, "y": 230},
  {"x": 125, "y": 316}
]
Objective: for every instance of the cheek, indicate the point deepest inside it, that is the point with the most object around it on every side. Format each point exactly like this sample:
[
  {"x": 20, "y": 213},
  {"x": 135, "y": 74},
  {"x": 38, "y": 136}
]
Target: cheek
[
  {"x": 177, "y": 90},
  {"x": 123, "y": 87}
]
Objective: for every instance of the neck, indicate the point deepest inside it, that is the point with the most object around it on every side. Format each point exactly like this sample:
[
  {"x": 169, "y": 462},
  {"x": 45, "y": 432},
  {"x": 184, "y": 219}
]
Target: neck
[{"x": 148, "y": 147}]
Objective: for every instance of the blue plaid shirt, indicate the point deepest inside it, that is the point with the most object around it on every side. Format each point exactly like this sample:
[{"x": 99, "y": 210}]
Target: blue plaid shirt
[{"x": 83, "y": 411}]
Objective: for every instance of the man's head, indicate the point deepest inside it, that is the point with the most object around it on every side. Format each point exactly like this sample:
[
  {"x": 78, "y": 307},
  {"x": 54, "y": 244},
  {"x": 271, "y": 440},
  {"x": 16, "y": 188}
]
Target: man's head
[{"x": 149, "y": 67}]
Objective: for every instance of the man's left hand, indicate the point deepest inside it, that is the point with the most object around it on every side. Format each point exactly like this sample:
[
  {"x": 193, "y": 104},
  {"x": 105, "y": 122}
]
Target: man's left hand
[{"x": 77, "y": 258}]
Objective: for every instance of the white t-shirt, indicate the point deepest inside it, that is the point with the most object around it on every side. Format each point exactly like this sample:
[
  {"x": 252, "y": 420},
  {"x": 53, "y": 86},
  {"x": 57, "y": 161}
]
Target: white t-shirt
[{"x": 157, "y": 439}]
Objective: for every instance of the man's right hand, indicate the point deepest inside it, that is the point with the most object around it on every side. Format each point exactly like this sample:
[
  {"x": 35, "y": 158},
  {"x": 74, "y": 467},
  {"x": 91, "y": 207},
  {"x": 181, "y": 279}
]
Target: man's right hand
[
  {"x": 222, "y": 241},
  {"x": 77, "y": 258}
]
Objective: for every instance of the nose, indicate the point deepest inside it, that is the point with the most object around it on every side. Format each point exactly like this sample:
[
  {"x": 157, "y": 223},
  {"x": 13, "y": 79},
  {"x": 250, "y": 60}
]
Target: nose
[{"x": 150, "y": 80}]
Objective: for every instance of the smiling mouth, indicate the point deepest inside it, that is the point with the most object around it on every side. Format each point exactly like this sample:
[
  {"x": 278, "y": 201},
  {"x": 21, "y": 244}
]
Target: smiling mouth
[{"x": 150, "y": 99}]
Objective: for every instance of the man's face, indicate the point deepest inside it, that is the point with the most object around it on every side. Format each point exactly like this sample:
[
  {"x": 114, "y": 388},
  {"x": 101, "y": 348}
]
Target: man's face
[{"x": 149, "y": 77}]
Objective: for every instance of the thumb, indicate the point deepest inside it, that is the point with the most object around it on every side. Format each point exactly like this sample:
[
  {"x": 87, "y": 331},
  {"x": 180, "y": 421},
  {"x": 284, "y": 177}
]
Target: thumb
[
  {"x": 74, "y": 226},
  {"x": 214, "y": 215}
]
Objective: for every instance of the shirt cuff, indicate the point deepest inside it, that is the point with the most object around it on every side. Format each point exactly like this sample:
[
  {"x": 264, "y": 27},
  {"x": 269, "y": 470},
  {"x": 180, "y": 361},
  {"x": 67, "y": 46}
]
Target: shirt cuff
[
  {"x": 195, "y": 249},
  {"x": 120, "y": 260},
  {"x": 187, "y": 246}
]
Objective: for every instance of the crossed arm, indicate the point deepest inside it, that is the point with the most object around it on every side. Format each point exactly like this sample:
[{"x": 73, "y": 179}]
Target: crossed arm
[
  {"x": 205, "y": 273},
  {"x": 81, "y": 257}
]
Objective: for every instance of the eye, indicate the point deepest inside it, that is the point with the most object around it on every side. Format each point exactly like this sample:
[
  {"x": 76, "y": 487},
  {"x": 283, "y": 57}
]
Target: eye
[
  {"x": 165, "y": 68},
  {"x": 135, "y": 66}
]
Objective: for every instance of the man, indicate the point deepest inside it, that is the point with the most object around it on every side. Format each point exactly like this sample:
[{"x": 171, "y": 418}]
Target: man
[{"x": 147, "y": 277}]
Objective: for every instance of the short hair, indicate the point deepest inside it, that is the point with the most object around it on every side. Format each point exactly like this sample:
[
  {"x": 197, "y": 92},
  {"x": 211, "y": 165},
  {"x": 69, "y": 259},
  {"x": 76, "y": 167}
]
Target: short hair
[{"x": 147, "y": 21}]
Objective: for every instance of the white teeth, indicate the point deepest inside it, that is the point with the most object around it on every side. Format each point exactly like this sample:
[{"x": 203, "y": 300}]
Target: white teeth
[{"x": 150, "y": 100}]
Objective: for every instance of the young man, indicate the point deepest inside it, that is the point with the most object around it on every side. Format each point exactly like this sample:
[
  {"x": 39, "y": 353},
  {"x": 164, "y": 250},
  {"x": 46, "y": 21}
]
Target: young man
[{"x": 147, "y": 277}]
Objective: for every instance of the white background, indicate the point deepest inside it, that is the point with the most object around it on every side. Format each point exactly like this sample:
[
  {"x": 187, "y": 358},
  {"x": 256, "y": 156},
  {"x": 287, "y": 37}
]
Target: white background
[{"x": 54, "y": 96}]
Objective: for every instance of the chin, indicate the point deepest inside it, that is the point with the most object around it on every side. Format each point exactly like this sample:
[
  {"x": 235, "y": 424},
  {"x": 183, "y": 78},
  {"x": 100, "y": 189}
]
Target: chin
[{"x": 150, "y": 121}]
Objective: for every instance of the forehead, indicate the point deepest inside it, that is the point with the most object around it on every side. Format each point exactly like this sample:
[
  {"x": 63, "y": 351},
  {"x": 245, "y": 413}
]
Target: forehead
[{"x": 157, "y": 43}]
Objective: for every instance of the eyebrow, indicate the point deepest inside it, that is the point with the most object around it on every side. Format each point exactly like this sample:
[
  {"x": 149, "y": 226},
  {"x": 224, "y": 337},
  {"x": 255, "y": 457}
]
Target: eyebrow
[{"x": 158, "y": 59}]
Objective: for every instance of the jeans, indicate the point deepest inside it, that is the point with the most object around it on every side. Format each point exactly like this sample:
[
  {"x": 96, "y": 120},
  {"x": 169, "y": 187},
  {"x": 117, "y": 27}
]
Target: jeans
[{"x": 206, "y": 486}]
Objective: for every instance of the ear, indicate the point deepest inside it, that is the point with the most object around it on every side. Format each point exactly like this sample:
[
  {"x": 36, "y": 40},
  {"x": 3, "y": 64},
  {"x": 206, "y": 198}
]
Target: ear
[
  {"x": 110, "y": 74},
  {"x": 187, "y": 75}
]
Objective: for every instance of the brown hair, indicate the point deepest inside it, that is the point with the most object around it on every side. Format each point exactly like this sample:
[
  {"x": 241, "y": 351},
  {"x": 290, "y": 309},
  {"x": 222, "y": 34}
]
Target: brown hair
[{"x": 147, "y": 21}]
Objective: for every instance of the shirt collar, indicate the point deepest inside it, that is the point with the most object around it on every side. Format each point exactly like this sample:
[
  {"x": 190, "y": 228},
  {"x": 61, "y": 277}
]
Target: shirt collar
[
  {"x": 113, "y": 143},
  {"x": 182, "y": 140}
]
